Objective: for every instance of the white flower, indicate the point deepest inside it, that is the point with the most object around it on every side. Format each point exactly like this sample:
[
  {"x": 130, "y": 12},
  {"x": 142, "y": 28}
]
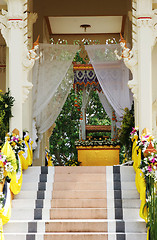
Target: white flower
[
  {"x": 9, "y": 167},
  {"x": 148, "y": 199}
]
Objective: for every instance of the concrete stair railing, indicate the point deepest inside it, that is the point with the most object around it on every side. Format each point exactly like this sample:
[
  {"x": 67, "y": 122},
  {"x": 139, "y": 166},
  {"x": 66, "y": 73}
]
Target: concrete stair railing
[{"x": 77, "y": 203}]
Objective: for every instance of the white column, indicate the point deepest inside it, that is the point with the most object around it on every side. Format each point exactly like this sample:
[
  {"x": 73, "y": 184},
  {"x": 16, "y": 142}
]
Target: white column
[
  {"x": 7, "y": 68},
  {"x": 12, "y": 29},
  {"x": 15, "y": 74},
  {"x": 144, "y": 46},
  {"x": 27, "y": 104}
]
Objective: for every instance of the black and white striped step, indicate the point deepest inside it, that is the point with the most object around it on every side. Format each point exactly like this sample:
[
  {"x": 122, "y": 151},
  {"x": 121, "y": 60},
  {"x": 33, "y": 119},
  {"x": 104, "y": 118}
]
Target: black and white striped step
[{"x": 75, "y": 236}]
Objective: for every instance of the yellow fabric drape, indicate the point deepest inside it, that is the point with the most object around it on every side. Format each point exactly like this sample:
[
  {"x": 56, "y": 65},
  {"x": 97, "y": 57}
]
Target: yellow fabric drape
[
  {"x": 5, "y": 212},
  {"x": 16, "y": 178},
  {"x": 24, "y": 160},
  {"x": 16, "y": 181},
  {"x": 1, "y": 230},
  {"x": 29, "y": 154},
  {"x": 48, "y": 158},
  {"x": 49, "y": 162},
  {"x": 139, "y": 178}
]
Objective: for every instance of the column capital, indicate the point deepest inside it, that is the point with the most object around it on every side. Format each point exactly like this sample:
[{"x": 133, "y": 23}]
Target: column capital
[
  {"x": 13, "y": 18},
  {"x": 144, "y": 21}
]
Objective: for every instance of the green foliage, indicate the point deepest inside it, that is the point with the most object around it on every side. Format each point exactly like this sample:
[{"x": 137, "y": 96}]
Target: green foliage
[
  {"x": 151, "y": 205},
  {"x": 6, "y": 103},
  {"x": 66, "y": 132},
  {"x": 78, "y": 58},
  {"x": 126, "y": 128},
  {"x": 96, "y": 114},
  {"x": 122, "y": 154}
]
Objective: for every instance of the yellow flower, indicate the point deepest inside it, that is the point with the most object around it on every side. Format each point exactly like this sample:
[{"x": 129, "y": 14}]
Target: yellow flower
[
  {"x": 13, "y": 144},
  {"x": 150, "y": 138},
  {"x": 1, "y": 164},
  {"x": 27, "y": 138}
]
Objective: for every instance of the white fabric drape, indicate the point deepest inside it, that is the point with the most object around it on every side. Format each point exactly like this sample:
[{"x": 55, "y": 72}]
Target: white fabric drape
[
  {"x": 106, "y": 105},
  {"x": 48, "y": 73},
  {"x": 50, "y": 113},
  {"x": 112, "y": 75},
  {"x": 51, "y": 83}
]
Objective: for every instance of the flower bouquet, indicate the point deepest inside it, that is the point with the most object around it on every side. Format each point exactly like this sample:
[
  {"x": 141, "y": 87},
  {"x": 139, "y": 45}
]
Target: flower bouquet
[
  {"x": 17, "y": 145},
  {"x": 6, "y": 167}
]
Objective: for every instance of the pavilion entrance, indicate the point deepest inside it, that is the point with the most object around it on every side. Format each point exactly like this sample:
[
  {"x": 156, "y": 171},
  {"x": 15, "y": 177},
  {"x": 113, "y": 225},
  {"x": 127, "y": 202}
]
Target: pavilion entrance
[{"x": 55, "y": 64}]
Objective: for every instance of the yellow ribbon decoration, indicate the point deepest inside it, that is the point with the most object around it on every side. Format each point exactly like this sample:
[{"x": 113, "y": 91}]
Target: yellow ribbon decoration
[
  {"x": 139, "y": 178},
  {"x": 29, "y": 154},
  {"x": 16, "y": 181},
  {"x": 1, "y": 230}
]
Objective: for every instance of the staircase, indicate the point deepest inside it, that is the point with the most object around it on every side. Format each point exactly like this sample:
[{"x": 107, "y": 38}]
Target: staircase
[{"x": 76, "y": 203}]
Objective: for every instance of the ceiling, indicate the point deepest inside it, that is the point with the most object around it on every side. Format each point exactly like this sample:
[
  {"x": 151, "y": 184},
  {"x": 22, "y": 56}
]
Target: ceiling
[
  {"x": 99, "y": 24},
  {"x": 2, "y": 2}
]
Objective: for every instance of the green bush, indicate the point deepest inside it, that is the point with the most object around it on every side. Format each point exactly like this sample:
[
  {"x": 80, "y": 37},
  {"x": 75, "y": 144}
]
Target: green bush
[
  {"x": 124, "y": 133},
  {"x": 6, "y": 103}
]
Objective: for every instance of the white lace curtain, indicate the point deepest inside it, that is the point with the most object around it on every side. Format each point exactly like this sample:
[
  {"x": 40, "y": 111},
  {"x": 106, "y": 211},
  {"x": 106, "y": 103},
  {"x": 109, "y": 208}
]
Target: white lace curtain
[
  {"x": 50, "y": 113},
  {"x": 51, "y": 83},
  {"x": 113, "y": 77}
]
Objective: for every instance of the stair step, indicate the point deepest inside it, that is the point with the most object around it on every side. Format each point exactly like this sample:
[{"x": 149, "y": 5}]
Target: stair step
[
  {"x": 79, "y": 186},
  {"x": 78, "y": 194},
  {"x": 93, "y": 169},
  {"x": 83, "y": 177},
  {"x": 91, "y": 186},
  {"x": 78, "y": 213},
  {"x": 28, "y": 214},
  {"x": 77, "y": 225},
  {"x": 94, "y": 236},
  {"x": 80, "y": 203},
  {"x": 30, "y": 203},
  {"x": 131, "y": 203},
  {"x": 80, "y": 169},
  {"x": 72, "y": 177},
  {"x": 76, "y": 236}
]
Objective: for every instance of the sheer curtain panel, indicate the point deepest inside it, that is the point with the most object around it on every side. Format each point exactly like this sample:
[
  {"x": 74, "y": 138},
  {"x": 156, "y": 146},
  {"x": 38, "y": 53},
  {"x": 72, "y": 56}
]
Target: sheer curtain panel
[{"x": 113, "y": 77}]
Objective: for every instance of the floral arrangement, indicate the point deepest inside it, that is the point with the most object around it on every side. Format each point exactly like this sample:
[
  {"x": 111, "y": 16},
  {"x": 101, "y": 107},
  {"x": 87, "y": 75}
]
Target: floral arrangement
[
  {"x": 148, "y": 166},
  {"x": 106, "y": 142},
  {"x": 5, "y": 166},
  {"x": 6, "y": 103},
  {"x": 134, "y": 132},
  {"x": 17, "y": 145}
]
